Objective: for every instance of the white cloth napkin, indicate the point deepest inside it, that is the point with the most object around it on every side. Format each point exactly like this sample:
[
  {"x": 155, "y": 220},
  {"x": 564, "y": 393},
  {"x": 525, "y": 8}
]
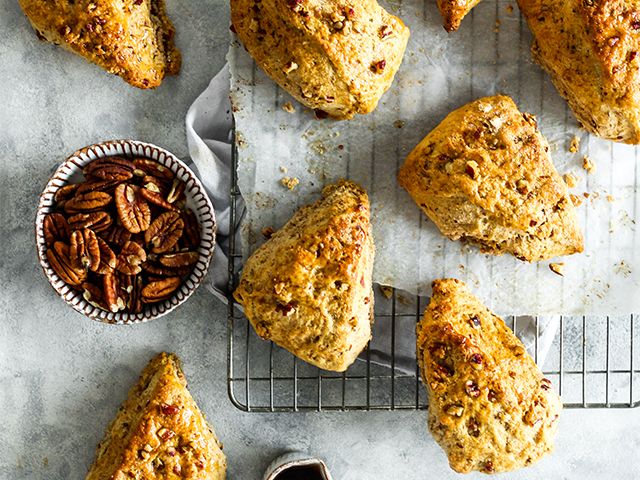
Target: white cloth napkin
[{"x": 209, "y": 124}]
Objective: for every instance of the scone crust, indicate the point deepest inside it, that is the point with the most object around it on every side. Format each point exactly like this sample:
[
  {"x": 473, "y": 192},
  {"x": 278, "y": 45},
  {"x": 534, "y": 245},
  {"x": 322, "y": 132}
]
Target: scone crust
[
  {"x": 309, "y": 287},
  {"x": 484, "y": 175},
  {"x": 590, "y": 49},
  {"x": 133, "y": 39},
  {"x": 490, "y": 408},
  {"x": 338, "y": 57},
  {"x": 453, "y": 11},
  {"x": 159, "y": 432}
]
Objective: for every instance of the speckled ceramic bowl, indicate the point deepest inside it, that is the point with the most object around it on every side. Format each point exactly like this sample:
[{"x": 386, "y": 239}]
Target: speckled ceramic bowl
[{"x": 71, "y": 171}]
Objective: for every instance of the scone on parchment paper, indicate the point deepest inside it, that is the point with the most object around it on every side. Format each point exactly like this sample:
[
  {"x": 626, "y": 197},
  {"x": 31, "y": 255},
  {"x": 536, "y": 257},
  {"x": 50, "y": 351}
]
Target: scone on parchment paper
[
  {"x": 159, "y": 432},
  {"x": 309, "y": 287},
  {"x": 337, "y": 57},
  {"x": 490, "y": 408},
  {"x": 453, "y": 11},
  {"x": 484, "y": 175},
  {"x": 590, "y": 49},
  {"x": 131, "y": 39}
]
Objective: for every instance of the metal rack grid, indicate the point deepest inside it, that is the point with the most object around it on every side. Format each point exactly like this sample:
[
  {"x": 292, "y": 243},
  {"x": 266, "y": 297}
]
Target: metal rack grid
[{"x": 593, "y": 361}]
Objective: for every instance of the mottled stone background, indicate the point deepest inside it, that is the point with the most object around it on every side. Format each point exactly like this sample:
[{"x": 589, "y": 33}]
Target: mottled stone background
[{"x": 62, "y": 377}]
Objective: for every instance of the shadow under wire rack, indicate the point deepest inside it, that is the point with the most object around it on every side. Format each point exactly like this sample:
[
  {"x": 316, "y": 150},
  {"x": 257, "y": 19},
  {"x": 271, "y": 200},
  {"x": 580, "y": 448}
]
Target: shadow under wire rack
[{"x": 592, "y": 361}]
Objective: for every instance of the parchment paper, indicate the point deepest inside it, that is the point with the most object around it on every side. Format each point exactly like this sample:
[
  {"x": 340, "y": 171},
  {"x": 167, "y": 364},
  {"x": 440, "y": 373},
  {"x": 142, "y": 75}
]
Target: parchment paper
[{"x": 440, "y": 72}]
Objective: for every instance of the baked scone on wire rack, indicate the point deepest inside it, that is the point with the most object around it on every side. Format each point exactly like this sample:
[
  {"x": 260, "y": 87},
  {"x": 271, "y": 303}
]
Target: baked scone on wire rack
[
  {"x": 490, "y": 407},
  {"x": 159, "y": 432},
  {"x": 134, "y": 40},
  {"x": 335, "y": 57},
  {"x": 309, "y": 287},
  {"x": 484, "y": 175}
]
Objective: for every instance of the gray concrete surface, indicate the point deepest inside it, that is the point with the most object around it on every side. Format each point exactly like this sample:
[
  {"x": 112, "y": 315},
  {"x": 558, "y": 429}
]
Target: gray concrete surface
[{"x": 62, "y": 376}]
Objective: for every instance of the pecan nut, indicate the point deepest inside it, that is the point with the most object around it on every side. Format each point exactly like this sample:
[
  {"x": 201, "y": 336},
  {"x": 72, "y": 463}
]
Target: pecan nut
[
  {"x": 144, "y": 166},
  {"x": 155, "y": 184},
  {"x": 56, "y": 228},
  {"x": 64, "y": 193},
  {"x": 110, "y": 168},
  {"x": 106, "y": 186},
  {"x": 180, "y": 259},
  {"x": 94, "y": 295},
  {"x": 96, "y": 221},
  {"x": 117, "y": 235},
  {"x": 154, "y": 268},
  {"x": 176, "y": 192},
  {"x": 159, "y": 290},
  {"x": 164, "y": 232},
  {"x": 191, "y": 236},
  {"x": 111, "y": 291},
  {"x": 133, "y": 210},
  {"x": 84, "y": 250},
  {"x": 131, "y": 259},
  {"x": 59, "y": 260},
  {"x": 107, "y": 258},
  {"x": 155, "y": 199},
  {"x": 87, "y": 202}
]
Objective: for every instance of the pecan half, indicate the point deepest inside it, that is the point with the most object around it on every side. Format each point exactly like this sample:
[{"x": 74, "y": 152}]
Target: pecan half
[
  {"x": 111, "y": 291},
  {"x": 55, "y": 228},
  {"x": 155, "y": 199},
  {"x": 155, "y": 184},
  {"x": 117, "y": 235},
  {"x": 164, "y": 232},
  {"x": 96, "y": 221},
  {"x": 133, "y": 210},
  {"x": 98, "y": 185},
  {"x": 154, "y": 268},
  {"x": 131, "y": 258},
  {"x": 94, "y": 295},
  {"x": 107, "y": 258},
  {"x": 180, "y": 259},
  {"x": 110, "y": 168},
  {"x": 59, "y": 260},
  {"x": 160, "y": 289},
  {"x": 64, "y": 193},
  {"x": 84, "y": 250},
  {"x": 88, "y": 202},
  {"x": 191, "y": 235},
  {"x": 176, "y": 192},
  {"x": 144, "y": 166}
]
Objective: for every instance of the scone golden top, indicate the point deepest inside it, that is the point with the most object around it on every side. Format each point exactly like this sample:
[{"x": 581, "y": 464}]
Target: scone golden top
[
  {"x": 485, "y": 175},
  {"x": 338, "y": 57},
  {"x": 453, "y": 11},
  {"x": 132, "y": 39},
  {"x": 490, "y": 408},
  {"x": 309, "y": 287},
  {"x": 159, "y": 432},
  {"x": 590, "y": 49}
]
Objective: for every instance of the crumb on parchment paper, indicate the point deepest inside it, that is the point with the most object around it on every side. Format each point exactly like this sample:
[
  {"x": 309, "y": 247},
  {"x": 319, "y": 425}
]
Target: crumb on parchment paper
[
  {"x": 611, "y": 198},
  {"x": 575, "y": 144},
  {"x": 576, "y": 200},
  {"x": 290, "y": 182},
  {"x": 622, "y": 268},
  {"x": 288, "y": 107},
  {"x": 509, "y": 8},
  {"x": 557, "y": 268},
  {"x": 570, "y": 179},
  {"x": 588, "y": 164},
  {"x": 283, "y": 169}
]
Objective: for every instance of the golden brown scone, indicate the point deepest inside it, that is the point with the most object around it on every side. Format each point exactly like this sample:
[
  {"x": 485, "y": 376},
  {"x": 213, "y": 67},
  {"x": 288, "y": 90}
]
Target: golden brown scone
[
  {"x": 132, "y": 39},
  {"x": 309, "y": 287},
  {"x": 485, "y": 175},
  {"x": 453, "y": 11},
  {"x": 159, "y": 432},
  {"x": 490, "y": 408},
  {"x": 590, "y": 49},
  {"x": 337, "y": 57}
]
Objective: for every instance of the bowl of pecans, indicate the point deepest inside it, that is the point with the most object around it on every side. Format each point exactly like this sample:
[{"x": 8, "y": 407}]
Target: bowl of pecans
[{"x": 124, "y": 231}]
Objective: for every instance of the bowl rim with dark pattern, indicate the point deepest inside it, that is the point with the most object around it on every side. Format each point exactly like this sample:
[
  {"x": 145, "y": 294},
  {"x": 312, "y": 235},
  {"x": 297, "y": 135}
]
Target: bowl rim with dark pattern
[{"x": 197, "y": 197}]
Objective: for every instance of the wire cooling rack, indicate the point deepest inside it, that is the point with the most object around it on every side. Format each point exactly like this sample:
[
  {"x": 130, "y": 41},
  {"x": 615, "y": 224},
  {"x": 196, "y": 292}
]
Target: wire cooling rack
[{"x": 593, "y": 361}]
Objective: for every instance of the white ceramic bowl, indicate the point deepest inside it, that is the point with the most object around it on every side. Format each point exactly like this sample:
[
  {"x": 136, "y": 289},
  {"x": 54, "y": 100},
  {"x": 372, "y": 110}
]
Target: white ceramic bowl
[{"x": 71, "y": 171}]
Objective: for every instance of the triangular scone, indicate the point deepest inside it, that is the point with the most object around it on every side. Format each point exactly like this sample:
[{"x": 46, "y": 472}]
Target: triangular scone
[
  {"x": 309, "y": 287},
  {"x": 453, "y": 11},
  {"x": 490, "y": 408},
  {"x": 485, "y": 175},
  {"x": 132, "y": 39},
  {"x": 159, "y": 432}
]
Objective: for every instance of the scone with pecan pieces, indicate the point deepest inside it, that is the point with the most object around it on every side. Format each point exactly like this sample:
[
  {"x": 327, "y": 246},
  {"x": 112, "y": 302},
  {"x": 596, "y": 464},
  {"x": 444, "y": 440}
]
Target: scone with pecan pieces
[
  {"x": 159, "y": 432},
  {"x": 484, "y": 175},
  {"x": 590, "y": 49},
  {"x": 453, "y": 11},
  {"x": 309, "y": 287},
  {"x": 337, "y": 57},
  {"x": 131, "y": 39},
  {"x": 490, "y": 408}
]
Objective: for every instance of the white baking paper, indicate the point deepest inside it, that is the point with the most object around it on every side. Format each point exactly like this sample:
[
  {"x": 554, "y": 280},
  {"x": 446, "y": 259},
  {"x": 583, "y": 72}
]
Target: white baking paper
[{"x": 440, "y": 72}]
